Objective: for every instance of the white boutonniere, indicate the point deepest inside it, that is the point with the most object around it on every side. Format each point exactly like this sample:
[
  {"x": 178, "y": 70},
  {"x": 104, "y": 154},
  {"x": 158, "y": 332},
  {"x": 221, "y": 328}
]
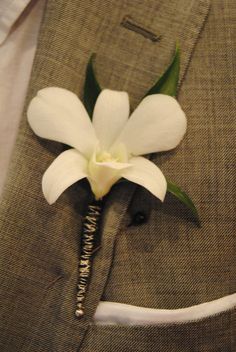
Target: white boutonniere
[
  {"x": 107, "y": 144},
  {"x": 110, "y": 146}
]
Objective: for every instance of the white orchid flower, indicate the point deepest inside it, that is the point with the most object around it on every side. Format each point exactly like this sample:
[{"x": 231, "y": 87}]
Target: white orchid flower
[{"x": 108, "y": 147}]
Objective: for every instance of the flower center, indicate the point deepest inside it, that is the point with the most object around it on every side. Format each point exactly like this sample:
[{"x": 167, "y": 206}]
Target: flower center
[
  {"x": 105, "y": 168},
  {"x": 117, "y": 154},
  {"x": 104, "y": 156}
]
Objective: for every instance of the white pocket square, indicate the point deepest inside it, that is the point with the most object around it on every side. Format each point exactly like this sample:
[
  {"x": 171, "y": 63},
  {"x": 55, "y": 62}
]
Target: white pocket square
[{"x": 124, "y": 314}]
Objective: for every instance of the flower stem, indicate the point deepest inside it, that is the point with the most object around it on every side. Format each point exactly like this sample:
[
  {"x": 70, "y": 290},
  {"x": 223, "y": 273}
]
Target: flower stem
[{"x": 89, "y": 245}]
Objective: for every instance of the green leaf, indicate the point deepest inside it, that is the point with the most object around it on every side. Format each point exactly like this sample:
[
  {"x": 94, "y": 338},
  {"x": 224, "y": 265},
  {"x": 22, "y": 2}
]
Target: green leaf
[
  {"x": 91, "y": 87},
  {"x": 184, "y": 198},
  {"x": 168, "y": 82}
]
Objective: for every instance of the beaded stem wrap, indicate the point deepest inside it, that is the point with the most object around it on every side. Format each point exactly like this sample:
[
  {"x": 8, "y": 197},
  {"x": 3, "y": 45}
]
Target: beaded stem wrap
[{"x": 89, "y": 245}]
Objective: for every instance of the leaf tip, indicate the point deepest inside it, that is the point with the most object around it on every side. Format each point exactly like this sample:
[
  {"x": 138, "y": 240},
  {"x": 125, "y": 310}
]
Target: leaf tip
[{"x": 177, "y": 46}]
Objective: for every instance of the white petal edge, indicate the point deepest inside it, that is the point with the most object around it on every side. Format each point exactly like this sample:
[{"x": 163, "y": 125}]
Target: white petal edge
[
  {"x": 58, "y": 114},
  {"x": 158, "y": 124},
  {"x": 148, "y": 175},
  {"x": 110, "y": 114},
  {"x": 68, "y": 168}
]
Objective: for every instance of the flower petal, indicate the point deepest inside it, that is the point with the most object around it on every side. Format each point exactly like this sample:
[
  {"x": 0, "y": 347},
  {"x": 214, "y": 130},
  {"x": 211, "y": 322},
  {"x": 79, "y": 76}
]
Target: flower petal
[
  {"x": 68, "y": 168},
  {"x": 110, "y": 114},
  {"x": 58, "y": 114},
  {"x": 157, "y": 124},
  {"x": 148, "y": 175}
]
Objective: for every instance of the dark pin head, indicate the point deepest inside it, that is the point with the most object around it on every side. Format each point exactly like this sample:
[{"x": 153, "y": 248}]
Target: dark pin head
[{"x": 139, "y": 218}]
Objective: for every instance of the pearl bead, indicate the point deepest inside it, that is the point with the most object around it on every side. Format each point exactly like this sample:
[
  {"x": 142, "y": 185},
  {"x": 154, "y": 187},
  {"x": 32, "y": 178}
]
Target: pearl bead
[{"x": 79, "y": 313}]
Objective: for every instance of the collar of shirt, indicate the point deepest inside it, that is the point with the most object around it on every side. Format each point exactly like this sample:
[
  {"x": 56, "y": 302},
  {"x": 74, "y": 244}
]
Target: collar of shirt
[{"x": 10, "y": 11}]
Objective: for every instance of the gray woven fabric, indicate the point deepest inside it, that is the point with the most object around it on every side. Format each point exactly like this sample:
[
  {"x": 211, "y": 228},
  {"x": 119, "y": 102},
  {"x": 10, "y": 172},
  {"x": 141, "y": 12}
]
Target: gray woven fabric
[
  {"x": 191, "y": 265},
  {"x": 165, "y": 263}
]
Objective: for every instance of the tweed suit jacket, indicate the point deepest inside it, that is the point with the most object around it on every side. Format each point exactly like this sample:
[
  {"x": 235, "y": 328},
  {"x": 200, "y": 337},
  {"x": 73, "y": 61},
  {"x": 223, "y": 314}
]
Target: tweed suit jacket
[{"x": 166, "y": 262}]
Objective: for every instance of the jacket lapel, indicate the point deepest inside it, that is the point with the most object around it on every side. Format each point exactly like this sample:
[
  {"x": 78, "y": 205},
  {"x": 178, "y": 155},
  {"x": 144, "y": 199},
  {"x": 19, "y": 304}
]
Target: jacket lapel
[{"x": 134, "y": 43}]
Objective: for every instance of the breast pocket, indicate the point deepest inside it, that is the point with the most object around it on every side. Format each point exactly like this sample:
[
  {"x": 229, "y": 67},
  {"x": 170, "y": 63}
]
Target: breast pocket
[{"x": 207, "y": 327}]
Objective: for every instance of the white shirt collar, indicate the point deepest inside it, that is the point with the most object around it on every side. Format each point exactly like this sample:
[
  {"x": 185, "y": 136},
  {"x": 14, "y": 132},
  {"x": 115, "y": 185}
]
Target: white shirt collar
[{"x": 10, "y": 11}]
